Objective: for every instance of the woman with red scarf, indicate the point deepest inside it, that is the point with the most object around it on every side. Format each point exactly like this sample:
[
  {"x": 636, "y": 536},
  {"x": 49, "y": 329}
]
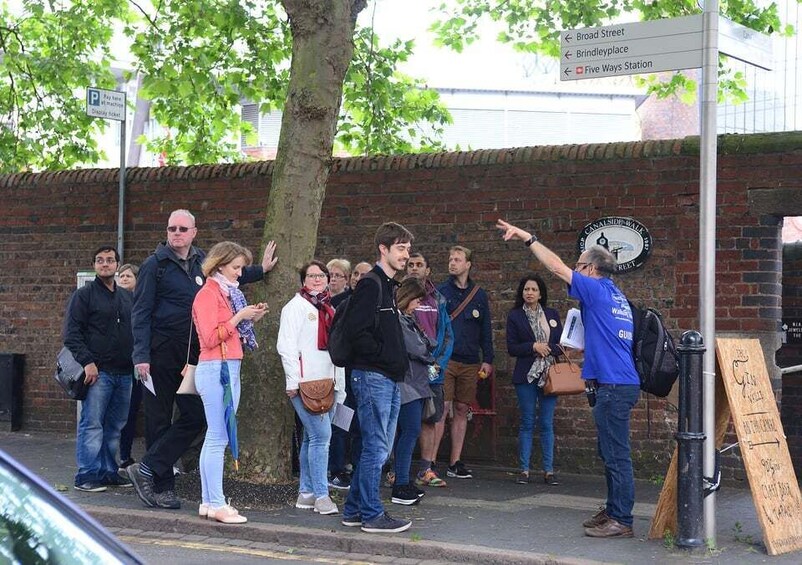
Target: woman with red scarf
[{"x": 302, "y": 343}]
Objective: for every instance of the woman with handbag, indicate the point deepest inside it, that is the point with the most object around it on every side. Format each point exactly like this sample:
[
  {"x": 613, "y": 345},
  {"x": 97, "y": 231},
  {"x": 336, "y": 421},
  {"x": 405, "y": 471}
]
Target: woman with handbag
[
  {"x": 313, "y": 382},
  {"x": 415, "y": 390},
  {"x": 533, "y": 334},
  {"x": 224, "y": 323}
]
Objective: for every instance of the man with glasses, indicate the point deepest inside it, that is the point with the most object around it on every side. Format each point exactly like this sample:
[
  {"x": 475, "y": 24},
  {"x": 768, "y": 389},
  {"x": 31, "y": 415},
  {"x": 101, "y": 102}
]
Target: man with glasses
[
  {"x": 609, "y": 362},
  {"x": 164, "y": 341},
  {"x": 98, "y": 334}
]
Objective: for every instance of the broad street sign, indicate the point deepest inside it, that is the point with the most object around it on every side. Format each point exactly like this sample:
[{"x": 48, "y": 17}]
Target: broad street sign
[
  {"x": 628, "y": 49},
  {"x": 654, "y": 46},
  {"x": 108, "y": 104}
]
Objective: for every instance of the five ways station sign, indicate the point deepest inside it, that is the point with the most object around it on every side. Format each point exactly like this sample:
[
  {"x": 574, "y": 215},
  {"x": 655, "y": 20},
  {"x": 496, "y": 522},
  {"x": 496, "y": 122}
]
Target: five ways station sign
[
  {"x": 627, "y": 49},
  {"x": 654, "y": 46}
]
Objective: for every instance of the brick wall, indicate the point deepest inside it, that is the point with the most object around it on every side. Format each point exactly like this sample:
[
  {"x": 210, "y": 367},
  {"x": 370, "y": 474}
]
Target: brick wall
[{"x": 50, "y": 223}]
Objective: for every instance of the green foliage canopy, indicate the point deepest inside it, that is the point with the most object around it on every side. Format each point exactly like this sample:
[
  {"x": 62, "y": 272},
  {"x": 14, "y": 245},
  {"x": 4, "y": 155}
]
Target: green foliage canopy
[{"x": 198, "y": 61}]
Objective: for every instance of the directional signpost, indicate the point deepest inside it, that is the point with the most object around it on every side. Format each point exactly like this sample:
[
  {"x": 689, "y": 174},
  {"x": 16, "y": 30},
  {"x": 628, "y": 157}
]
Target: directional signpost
[
  {"x": 628, "y": 49},
  {"x": 654, "y": 46},
  {"x": 110, "y": 105}
]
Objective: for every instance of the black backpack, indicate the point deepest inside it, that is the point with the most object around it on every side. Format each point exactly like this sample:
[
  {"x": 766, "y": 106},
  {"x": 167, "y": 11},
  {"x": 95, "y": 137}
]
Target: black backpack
[
  {"x": 340, "y": 348},
  {"x": 656, "y": 358}
]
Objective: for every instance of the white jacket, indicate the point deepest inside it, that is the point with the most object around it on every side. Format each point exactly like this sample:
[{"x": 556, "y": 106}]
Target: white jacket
[{"x": 297, "y": 345}]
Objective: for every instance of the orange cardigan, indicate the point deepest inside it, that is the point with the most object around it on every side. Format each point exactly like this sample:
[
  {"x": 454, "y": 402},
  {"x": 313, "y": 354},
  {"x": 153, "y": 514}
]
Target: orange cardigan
[{"x": 210, "y": 311}]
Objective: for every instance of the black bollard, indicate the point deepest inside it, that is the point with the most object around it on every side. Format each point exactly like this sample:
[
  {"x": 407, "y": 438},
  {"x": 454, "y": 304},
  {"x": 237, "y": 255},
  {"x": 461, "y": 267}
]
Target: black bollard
[{"x": 690, "y": 437}]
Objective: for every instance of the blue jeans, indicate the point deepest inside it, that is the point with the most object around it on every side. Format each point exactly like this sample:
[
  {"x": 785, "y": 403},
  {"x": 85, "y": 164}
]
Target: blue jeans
[
  {"x": 409, "y": 424},
  {"x": 614, "y": 405},
  {"x": 103, "y": 415},
  {"x": 212, "y": 455},
  {"x": 313, "y": 455},
  {"x": 529, "y": 396},
  {"x": 378, "y": 400}
]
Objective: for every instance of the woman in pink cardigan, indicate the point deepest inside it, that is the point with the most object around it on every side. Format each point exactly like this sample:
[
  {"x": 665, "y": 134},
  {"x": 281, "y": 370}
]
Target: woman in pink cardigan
[{"x": 224, "y": 323}]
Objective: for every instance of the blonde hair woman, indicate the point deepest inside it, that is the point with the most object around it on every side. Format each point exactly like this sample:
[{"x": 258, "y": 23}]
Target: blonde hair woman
[{"x": 224, "y": 323}]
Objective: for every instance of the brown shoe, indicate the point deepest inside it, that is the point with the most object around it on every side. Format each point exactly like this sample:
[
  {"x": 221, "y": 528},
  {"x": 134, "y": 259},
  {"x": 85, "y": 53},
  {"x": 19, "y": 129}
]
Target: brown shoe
[
  {"x": 598, "y": 519},
  {"x": 610, "y": 529}
]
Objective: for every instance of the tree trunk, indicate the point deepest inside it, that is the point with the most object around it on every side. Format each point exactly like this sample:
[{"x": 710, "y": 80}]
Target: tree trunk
[{"x": 322, "y": 32}]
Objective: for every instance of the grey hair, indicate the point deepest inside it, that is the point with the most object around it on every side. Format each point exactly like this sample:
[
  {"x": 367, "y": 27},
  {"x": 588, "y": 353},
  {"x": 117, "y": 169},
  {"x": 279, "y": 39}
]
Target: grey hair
[
  {"x": 602, "y": 259},
  {"x": 183, "y": 212}
]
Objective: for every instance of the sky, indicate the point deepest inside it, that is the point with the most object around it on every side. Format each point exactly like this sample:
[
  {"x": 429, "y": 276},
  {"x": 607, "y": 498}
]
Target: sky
[{"x": 484, "y": 62}]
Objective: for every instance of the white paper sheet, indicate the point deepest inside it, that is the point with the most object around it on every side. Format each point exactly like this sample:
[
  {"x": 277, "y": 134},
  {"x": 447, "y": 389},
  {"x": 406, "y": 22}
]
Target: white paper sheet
[
  {"x": 148, "y": 383},
  {"x": 573, "y": 331},
  {"x": 342, "y": 417}
]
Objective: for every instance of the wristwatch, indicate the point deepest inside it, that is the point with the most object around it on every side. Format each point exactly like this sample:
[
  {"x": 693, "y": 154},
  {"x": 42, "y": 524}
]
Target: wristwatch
[{"x": 531, "y": 240}]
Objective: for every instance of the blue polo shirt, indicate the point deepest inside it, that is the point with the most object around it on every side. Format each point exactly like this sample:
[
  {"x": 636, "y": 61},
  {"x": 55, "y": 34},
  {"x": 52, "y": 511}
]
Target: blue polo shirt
[{"x": 607, "y": 318}]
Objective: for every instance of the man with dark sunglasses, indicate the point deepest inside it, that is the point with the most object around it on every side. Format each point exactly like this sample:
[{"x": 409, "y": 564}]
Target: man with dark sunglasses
[{"x": 163, "y": 343}]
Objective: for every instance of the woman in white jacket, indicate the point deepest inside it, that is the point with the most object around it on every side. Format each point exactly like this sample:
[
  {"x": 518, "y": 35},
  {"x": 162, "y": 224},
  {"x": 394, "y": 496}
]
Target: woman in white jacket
[{"x": 302, "y": 344}]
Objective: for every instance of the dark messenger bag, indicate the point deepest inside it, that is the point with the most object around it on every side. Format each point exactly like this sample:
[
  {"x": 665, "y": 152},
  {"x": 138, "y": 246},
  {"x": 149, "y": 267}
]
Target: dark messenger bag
[{"x": 70, "y": 375}]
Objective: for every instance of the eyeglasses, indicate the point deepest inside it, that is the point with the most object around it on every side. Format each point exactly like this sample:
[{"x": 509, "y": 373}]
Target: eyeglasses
[
  {"x": 106, "y": 260},
  {"x": 182, "y": 229},
  {"x": 580, "y": 266},
  {"x": 316, "y": 275},
  {"x": 337, "y": 276}
]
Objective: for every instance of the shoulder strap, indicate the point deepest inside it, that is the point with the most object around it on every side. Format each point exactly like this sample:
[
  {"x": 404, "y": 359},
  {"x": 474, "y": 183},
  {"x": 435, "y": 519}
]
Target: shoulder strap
[
  {"x": 465, "y": 302},
  {"x": 376, "y": 278}
]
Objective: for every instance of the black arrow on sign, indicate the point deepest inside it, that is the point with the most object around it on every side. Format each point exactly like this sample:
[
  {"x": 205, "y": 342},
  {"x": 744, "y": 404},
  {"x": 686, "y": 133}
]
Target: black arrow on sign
[
  {"x": 567, "y": 71},
  {"x": 754, "y": 445},
  {"x": 567, "y": 54},
  {"x": 568, "y": 38}
]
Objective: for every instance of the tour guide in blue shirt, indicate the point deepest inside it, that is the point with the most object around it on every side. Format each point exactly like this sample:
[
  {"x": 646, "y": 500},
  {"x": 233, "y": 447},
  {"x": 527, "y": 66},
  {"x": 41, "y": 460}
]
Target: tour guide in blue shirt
[{"x": 607, "y": 318}]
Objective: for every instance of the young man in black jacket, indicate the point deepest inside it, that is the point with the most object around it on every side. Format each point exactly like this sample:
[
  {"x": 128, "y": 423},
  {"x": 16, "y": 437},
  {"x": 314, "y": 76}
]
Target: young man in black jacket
[
  {"x": 380, "y": 362},
  {"x": 98, "y": 334}
]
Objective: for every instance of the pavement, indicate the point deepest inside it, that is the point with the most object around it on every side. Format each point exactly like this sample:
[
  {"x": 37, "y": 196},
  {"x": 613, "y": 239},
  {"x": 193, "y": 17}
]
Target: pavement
[{"x": 489, "y": 519}]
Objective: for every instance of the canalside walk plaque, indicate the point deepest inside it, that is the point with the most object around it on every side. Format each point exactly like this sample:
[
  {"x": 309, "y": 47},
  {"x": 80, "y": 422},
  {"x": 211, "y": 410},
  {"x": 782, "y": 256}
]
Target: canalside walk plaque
[{"x": 629, "y": 49}]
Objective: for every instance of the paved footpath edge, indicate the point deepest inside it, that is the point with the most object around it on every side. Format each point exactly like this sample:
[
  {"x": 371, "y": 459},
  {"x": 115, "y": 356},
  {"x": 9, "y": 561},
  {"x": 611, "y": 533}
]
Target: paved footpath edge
[{"x": 293, "y": 536}]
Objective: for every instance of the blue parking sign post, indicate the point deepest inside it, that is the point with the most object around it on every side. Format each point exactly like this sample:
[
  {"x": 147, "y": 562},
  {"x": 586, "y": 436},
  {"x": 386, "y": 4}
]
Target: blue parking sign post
[{"x": 111, "y": 105}]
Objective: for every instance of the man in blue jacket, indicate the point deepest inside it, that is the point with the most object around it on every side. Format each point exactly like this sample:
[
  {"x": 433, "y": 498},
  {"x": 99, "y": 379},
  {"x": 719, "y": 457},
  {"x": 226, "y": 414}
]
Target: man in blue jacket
[
  {"x": 98, "y": 334},
  {"x": 164, "y": 341},
  {"x": 472, "y": 357},
  {"x": 609, "y": 363}
]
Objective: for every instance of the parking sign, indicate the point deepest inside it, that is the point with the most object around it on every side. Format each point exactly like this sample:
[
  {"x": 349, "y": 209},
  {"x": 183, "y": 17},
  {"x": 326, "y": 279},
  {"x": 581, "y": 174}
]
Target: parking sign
[{"x": 108, "y": 104}]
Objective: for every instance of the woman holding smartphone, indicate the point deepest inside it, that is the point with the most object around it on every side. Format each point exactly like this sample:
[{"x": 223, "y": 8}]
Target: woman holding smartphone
[{"x": 224, "y": 323}]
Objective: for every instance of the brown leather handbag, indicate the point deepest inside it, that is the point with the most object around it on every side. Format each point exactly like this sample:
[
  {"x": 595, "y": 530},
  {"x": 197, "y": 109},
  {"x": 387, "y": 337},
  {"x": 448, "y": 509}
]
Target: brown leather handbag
[
  {"x": 318, "y": 395},
  {"x": 564, "y": 378}
]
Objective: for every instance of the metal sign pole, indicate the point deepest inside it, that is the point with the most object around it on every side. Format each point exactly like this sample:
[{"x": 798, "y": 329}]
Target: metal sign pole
[
  {"x": 707, "y": 248},
  {"x": 111, "y": 105},
  {"x": 121, "y": 195}
]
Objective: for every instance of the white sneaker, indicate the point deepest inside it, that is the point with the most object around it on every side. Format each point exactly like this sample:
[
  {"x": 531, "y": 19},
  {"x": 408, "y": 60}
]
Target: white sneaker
[
  {"x": 203, "y": 510},
  {"x": 325, "y": 505},
  {"x": 305, "y": 501}
]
